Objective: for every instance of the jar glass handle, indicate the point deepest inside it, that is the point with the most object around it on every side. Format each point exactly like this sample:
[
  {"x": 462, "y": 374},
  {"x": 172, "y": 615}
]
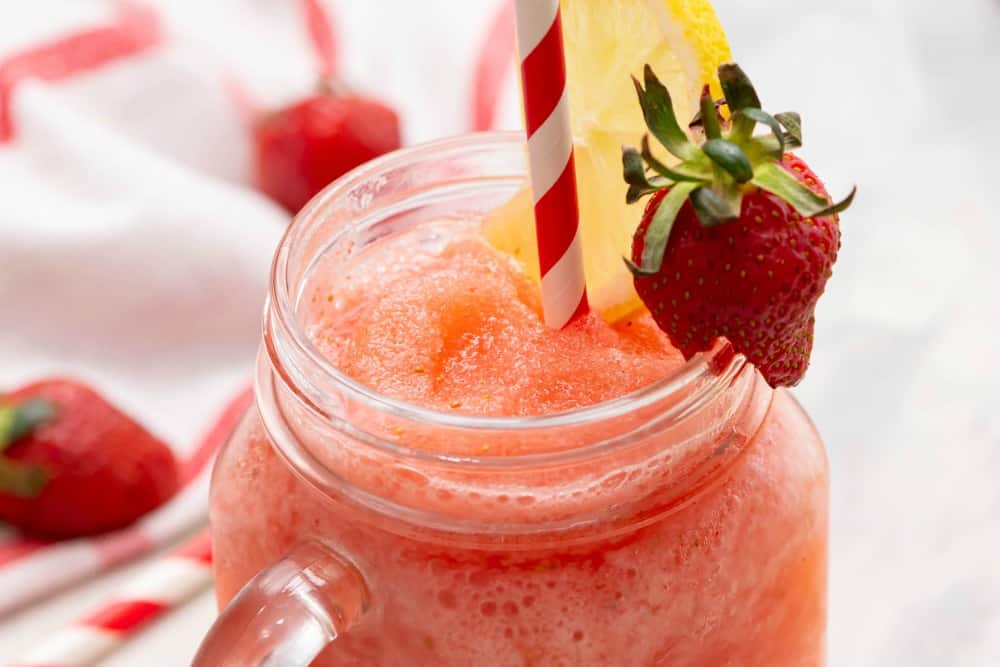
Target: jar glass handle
[{"x": 287, "y": 614}]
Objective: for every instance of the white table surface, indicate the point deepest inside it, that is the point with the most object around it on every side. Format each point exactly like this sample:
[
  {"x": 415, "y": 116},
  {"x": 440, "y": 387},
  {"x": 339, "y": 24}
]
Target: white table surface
[{"x": 904, "y": 380}]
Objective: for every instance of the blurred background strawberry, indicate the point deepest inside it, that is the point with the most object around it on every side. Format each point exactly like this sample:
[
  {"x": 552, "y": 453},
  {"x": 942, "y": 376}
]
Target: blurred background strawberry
[
  {"x": 303, "y": 147},
  {"x": 72, "y": 464}
]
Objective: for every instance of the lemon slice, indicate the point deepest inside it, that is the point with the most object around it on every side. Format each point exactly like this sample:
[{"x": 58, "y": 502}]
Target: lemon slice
[{"x": 607, "y": 41}]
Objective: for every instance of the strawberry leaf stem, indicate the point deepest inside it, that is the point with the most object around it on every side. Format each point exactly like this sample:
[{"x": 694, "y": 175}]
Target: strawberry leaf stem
[
  {"x": 842, "y": 205},
  {"x": 658, "y": 233},
  {"x": 709, "y": 115},
  {"x": 740, "y": 95},
  {"x": 658, "y": 110},
  {"x": 633, "y": 168},
  {"x": 715, "y": 207},
  {"x": 695, "y": 173},
  {"x": 635, "y": 175},
  {"x": 696, "y": 121},
  {"x": 792, "y": 122},
  {"x": 774, "y": 179},
  {"x": 755, "y": 116},
  {"x": 730, "y": 157},
  {"x": 637, "y": 192}
]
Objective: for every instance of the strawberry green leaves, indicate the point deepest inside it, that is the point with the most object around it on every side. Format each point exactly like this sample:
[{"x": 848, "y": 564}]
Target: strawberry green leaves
[
  {"x": 730, "y": 157},
  {"x": 740, "y": 94},
  {"x": 720, "y": 199},
  {"x": 777, "y": 180},
  {"x": 758, "y": 116},
  {"x": 738, "y": 89},
  {"x": 635, "y": 175},
  {"x": 715, "y": 206},
  {"x": 635, "y": 164},
  {"x": 839, "y": 207},
  {"x": 792, "y": 122},
  {"x": 709, "y": 114},
  {"x": 658, "y": 232},
  {"x": 658, "y": 110},
  {"x": 698, "y": 172},
  {"x": 715, "y": 174}
]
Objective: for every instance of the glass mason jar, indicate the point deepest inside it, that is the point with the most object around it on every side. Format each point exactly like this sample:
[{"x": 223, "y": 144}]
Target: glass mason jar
[{"x": 684, "y": 524}]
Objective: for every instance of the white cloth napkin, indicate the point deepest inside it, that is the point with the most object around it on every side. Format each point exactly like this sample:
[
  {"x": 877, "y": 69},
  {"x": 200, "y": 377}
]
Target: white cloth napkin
[{"x": 133, "y": 254}]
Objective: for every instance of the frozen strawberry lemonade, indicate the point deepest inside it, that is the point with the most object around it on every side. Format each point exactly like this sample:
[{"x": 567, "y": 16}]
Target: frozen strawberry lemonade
[
  {"x": 732, "y": 575},
  {"x": 452, "y": 483}
]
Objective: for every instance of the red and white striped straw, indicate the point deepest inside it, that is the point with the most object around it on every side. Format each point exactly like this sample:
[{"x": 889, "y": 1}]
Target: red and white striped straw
[
  {"x": 550, "y": 146},
  {"x": 163, "y": 585}
]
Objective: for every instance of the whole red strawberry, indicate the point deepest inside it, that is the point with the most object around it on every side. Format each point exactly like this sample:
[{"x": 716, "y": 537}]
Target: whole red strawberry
[
  {"x": 301, "y": 149},
  {"x": 71, "y": 464},
  {"x": 739, "y": 238}
]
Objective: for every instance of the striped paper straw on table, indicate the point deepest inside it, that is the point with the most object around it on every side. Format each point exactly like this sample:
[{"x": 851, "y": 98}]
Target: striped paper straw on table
[
  {"x": 550, "y": 147},
  {"x": 159, "y": 587}
]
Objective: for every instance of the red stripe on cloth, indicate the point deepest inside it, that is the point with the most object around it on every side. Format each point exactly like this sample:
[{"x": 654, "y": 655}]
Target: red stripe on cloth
[
  {"x": 135, "y": 30},
  {"x": 323, "y": 36},
  {"x": 495, "y": 58},
  {"x": 544, "y": 72},
  {"x": 124, "y": 616},
  {"x": 241, "y": 99},
  {"x": 217, "y": 435},
  {"x": 20, "y": 547},
  {"x": 556, "y": 217},
  {"x": 198, "y": 548}
]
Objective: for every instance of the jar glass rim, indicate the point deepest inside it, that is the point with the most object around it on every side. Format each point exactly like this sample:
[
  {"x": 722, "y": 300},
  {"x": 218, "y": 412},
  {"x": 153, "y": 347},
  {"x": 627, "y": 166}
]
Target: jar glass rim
[{"x": 707, "y": 371}]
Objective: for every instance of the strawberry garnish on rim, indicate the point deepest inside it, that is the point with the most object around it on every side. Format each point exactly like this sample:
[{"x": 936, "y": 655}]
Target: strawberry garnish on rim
[{"x": 739, "y": 237}]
